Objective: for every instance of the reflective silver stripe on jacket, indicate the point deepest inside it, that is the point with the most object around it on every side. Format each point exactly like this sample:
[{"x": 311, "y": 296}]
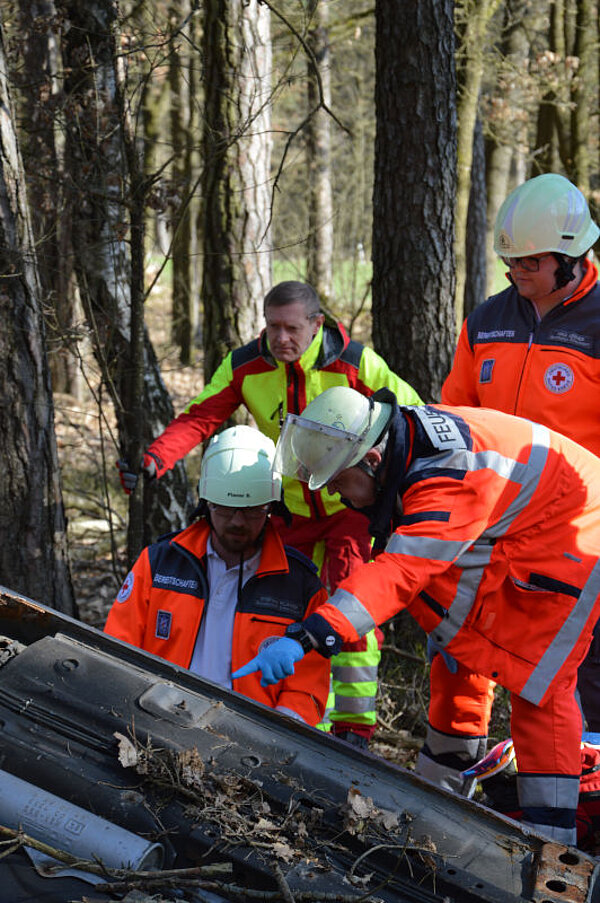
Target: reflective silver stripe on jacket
[
  {"x": 564, "y": 642},
  {"x": 354, "y": 705},
  {"x": 425, "y": 547},
  {"x": 353, "y": 609}
]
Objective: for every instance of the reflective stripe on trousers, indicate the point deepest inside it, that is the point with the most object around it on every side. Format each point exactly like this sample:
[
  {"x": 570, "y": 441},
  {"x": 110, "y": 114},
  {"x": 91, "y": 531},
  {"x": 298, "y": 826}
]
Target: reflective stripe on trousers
[{"x": 353, "y": 688}]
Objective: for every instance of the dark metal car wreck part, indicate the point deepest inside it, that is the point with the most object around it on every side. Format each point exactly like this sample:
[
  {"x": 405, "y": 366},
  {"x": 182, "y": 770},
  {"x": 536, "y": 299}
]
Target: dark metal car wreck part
[
  {"x": 72, "y": 829},
  {"x": 357, "y": 817}
]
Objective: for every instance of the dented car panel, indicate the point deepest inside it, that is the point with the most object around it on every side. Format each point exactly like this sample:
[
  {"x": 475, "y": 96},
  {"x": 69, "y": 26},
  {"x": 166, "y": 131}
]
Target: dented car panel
[{"x": 211, "y": 776}]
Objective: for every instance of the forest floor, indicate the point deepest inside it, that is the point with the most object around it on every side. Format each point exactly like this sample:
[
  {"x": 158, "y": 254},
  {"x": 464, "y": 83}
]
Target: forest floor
[
  {"x": 96, "y": 509},
  {"x": 96, "y": 506}
]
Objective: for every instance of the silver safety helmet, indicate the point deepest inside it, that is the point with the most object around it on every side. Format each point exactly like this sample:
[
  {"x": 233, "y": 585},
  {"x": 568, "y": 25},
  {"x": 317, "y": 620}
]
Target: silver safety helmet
[
  {"x": 237, "y": 469},
  {"x": 334, "y": 432}
]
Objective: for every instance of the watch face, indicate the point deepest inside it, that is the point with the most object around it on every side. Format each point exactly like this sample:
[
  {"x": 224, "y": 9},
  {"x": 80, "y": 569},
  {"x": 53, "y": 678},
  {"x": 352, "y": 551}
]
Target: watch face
[{"x": 297, "y": 632}]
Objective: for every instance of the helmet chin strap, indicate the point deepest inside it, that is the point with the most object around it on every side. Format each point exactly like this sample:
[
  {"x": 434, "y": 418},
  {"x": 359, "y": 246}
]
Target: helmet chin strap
[
  {"x": 374, "y": 472},
  {"x": 565, "y": 272},
  {"x": 366, "y": 468}
]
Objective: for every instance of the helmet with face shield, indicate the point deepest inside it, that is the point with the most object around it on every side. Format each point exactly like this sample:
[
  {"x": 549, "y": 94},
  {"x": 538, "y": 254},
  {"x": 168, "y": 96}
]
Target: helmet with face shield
[{"x": 334, "y": 432}]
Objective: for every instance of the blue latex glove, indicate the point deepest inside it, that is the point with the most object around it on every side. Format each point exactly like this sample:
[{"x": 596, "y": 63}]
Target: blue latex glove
[
  {"x": 276, "y": 661},
  {"x": 433, "y": 649}
]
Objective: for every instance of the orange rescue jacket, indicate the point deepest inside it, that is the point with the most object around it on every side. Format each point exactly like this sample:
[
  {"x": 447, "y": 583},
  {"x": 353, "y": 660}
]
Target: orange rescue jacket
[
  {"x": 496, "y": 553},
  {"x": 160, "y": 605},
  {"x": 547, "y": 370}
]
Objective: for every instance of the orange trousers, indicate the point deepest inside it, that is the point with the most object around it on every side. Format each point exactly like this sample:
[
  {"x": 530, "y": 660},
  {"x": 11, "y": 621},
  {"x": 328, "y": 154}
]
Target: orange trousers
[{"x": 547, "y": 738}]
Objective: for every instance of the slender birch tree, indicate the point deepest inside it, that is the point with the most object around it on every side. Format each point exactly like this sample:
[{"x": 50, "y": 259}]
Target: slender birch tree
[
  {"x": 108, "y": 239},
  {"x": 236, "y": 194}
]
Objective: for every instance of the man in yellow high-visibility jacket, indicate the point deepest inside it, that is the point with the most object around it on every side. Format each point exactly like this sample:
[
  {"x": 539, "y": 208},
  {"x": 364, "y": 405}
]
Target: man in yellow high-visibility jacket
[{"x": 298, "y": 355}]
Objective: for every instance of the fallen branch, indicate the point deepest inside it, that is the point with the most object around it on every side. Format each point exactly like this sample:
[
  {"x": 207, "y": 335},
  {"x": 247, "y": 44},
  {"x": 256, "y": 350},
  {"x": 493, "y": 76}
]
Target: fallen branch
[
  {"x": 284, "y": 887},
  {"x": 16, "y": 839},
  {"x": 404, "y": 654}
]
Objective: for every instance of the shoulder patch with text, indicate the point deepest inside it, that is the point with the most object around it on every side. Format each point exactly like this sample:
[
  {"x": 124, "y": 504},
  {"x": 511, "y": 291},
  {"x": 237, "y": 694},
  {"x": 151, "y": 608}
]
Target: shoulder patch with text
[
  {"x": 441, "y": 429},
  {"x": 163, "y": 624},
  {"x": 486, "y": 370}
]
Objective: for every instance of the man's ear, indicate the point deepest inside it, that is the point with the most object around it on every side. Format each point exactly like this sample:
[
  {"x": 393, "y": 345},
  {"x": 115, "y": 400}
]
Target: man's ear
[
  {"x": 373, "y": 458},
  {"x": 318, "y": 322}
]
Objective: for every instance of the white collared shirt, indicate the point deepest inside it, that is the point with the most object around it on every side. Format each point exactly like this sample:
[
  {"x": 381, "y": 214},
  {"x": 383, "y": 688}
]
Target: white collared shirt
[{"x": 212, "y": 653}]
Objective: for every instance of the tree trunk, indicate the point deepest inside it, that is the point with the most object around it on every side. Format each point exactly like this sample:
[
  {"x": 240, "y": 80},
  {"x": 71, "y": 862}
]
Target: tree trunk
[
  {"x": 109, "y": 268},
  {"x": 235, "y": 186},
  {"x": 154, "y": 100},
  {"x": 584, "y": 92},
  {"x": 33, "y": 541},
  {"x": 509, "y": 94},
  {"x": 181, "y": 224},
  {"x": 414, "y": 191},
  {"x": 320, "y": 210},
  {"x": 475, "y": 283},
  {"x": 42, "y": 149},
  {"x": 477, "y": 16},
  {"x": 553, "y": 140}
]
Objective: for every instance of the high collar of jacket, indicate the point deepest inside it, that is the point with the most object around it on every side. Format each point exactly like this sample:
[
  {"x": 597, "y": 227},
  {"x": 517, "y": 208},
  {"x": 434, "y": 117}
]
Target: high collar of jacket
[
  {"x": 589, "y": 280},
  {"x": 273, "y": 559},
  {"x": 326, "y": 347},
  {"x": 392, "y": 469}
]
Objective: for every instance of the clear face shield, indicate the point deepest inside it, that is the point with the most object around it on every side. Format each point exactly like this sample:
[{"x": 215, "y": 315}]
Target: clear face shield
[{"x": 313, "y": 452}]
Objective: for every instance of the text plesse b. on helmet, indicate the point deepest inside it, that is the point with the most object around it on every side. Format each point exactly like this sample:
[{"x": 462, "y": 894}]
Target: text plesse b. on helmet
[
  {"x": 237, "y": 469},
  {"x": 544, "y": 214}
]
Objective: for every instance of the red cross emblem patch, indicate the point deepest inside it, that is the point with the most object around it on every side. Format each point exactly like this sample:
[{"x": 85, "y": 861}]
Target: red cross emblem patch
[
  {"x": 127, "y": 588},
  {"x": 559, "y": 378}
]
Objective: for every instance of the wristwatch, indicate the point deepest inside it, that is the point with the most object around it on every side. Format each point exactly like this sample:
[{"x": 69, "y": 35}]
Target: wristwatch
[{"x": 297, "y": 632}]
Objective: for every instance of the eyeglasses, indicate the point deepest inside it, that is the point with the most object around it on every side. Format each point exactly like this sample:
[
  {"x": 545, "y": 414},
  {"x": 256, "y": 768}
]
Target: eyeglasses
[
  {"x": 254, "y": 512},
  {"x": 529, "y": 264}
]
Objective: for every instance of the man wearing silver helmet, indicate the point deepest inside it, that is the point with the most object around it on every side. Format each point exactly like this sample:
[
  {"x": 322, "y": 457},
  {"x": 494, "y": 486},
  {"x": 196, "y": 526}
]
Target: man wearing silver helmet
[
  {"x": 210, "y": 596},
  {"x": 534, "y": 349}
]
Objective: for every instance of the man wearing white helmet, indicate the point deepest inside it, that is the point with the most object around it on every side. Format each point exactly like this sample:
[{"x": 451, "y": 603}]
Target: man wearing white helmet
[
  {"x": 300, "y": 352},
  {"x": 209, "y": 597},
  {"x": 534, "y": 349},
  {"x": 491, "y": 528}
]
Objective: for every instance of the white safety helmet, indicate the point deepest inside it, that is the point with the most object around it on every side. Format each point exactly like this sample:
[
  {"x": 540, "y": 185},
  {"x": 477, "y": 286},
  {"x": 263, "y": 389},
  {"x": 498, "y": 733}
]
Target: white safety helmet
[
  {"x": 544, "y": 214},
  {"x": 237, "y": 469},
  {"x": 335, "y": 432}
]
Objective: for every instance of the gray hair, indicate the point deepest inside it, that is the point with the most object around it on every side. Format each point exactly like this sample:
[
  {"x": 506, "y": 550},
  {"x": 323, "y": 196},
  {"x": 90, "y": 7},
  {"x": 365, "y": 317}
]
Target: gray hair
[{"x": 285, "y": 293}]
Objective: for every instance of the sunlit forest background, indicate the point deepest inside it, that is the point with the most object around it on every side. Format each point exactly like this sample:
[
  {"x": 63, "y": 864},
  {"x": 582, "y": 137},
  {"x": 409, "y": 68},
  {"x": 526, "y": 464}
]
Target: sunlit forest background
[{"x": 163, "y": 164}]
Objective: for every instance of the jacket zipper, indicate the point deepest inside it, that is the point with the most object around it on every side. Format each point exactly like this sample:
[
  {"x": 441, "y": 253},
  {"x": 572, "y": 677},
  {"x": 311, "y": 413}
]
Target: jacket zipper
[{"x": 532, "y": 334}]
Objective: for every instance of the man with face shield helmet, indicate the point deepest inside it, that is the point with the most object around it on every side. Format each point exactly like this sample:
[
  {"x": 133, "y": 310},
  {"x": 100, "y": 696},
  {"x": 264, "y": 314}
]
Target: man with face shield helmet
[
  {"x": 317, "y": 450},
  {"x": 210, "y": 596},
  {"x": 492, "y": 526}
]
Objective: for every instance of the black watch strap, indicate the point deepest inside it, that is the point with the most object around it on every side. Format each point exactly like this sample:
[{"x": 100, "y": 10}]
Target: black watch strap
[{"x": 297, "y": 632}]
